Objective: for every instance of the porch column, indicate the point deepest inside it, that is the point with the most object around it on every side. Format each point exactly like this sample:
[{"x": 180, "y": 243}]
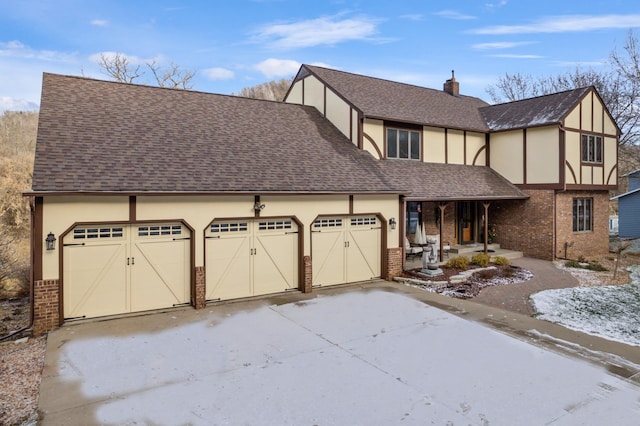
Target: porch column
[
  {"x": 442, "y": 206},
  {"x": 486, "y": 226}
]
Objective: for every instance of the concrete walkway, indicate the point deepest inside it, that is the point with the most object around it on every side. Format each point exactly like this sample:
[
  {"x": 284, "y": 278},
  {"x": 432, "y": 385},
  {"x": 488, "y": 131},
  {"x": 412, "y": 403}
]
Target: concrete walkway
[
  {"x": 515, "y": 298},
  {"x": 375, "y": 353}
]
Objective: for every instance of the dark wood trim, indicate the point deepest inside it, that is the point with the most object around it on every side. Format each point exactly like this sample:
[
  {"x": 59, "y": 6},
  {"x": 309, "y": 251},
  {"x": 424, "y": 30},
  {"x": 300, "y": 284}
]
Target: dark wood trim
[
  {"x": 302, "y": 89},
  {"x": 591, "y": 187},
  {"x": 587, "y": 132},
  {"x": 132, "y": 208},
  {"x": 351, "y": 124},
  {"x": 37, "y": 237},
  {"x": 524, "y": 156},
  {"x": 555, "y": 186},
  {"x": 374, "y": 144},
  {"x": 324, "y": 100},
  {"x": 256, "y": 200},
  {"x": 350, "y": 204},
  {"x": 592, "y": 114},
  {"x": 446, "y": 146},
  {"x": 614, "y": 168},
  {"x": 487, "y": 143},
  {"x": 443, "y": 207},
  {"x": 360, "y": 135},
  {"x": 562, "y": 157},
  {"x": 573, "y": 173},
  {"x": 485, "y": 238},
  {"x": 464, "y": 147},
  {"x": 475, "y": 158}
]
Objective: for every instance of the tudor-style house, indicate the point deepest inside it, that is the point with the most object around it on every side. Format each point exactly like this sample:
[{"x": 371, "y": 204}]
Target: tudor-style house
[{"x": 146, "y": 198}]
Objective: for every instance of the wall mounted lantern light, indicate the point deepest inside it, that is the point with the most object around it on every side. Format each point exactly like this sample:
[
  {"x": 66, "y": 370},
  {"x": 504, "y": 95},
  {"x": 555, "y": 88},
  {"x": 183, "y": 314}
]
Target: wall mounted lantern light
[
  {"x": 51, "y": 241},
  {"x": 392, "y": 223},
  {"x": 257, "y": 206}
]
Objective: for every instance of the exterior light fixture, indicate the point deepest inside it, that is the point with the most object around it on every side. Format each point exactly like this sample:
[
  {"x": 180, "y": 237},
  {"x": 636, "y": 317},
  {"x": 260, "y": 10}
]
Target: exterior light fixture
[
  {"x": 392, "y": 223},
  {"x": 51, "y": 241},
  {"x": 257, "y": 206}
]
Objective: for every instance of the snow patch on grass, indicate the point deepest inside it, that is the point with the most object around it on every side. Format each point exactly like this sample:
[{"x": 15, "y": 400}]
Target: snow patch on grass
[{"x": 611, "y": 312}]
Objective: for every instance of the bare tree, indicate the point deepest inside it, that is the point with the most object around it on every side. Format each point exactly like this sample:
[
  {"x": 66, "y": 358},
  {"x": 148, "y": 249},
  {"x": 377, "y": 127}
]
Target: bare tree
[
  {"x": 619, "y": 86},
  {"x": 119, "y": 68},
  {"x": 274, "y": 90}
]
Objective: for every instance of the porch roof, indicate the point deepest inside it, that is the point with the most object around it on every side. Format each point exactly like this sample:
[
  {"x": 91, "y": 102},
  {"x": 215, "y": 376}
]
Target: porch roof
[{"x": 450, "y": 182}]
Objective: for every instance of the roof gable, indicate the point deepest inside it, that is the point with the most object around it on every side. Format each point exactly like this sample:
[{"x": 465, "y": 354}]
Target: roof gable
[
  {"x": 389, "y": 100},
  {"x": 532, "y": 112},
  {"x": 99, "y": 136}
]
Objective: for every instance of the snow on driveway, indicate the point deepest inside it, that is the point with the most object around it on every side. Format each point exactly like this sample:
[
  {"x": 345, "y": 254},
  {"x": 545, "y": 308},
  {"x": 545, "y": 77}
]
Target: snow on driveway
[
  {"x": 357, "y": 358},
  {"x": 611, "y": 312}
]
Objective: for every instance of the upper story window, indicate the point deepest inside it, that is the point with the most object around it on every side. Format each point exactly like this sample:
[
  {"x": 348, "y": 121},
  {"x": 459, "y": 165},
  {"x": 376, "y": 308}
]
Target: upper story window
[
  {"x": 403, "y": 144},
  {"x": 591, "y": 149}
]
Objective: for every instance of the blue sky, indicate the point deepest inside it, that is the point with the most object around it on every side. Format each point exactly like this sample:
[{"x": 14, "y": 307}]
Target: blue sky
[{"x": 241, "y": 43}]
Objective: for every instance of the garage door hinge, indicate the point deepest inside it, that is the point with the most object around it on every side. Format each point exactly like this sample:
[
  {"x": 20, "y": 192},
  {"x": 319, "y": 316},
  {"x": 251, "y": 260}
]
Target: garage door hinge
[{"x": 71, "y": 244}]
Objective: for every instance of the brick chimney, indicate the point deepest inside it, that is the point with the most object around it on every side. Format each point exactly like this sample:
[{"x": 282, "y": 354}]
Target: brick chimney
[{"x": 451, "y": 86}]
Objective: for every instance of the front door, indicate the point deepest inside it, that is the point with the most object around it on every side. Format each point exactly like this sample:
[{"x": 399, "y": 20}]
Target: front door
[{"x": 466, "y": 221}]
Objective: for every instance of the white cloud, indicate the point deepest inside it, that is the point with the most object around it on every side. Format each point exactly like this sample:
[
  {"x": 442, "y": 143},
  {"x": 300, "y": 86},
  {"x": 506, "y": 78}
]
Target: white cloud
[
  {"x": 500, "y": 45},
  {"x": 100, "y": 22},
  {"x": 563, "y": 24},
  {"x": 17, "y": 49},
  {"x": 515, "y": 56},
  {"x": 452, "y": 14},
  {"x": 278, "y": 67},
  {"x": 12, "y": 104},
  {"x": 217, "y": 73},
  {"x": 496, "y": 5},
  {"x": 329, "y": 30}
]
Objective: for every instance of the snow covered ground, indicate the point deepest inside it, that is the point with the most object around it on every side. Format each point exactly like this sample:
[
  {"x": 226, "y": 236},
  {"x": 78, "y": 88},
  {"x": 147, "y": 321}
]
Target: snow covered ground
[
  {"x": 357, "y": 358},
  {"x": 611, "y": 312}
]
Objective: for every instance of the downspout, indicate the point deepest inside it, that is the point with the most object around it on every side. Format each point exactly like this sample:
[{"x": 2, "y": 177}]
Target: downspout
[{"x": 31, "y": 285}]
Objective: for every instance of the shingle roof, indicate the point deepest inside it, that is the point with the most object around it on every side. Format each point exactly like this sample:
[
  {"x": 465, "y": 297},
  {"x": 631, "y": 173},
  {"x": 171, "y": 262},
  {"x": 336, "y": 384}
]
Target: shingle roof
[
  {"x": 394, "y": 101},
  {"x": 542, "y": 110},
  {"x": 435, "y": 181},
  {"x": 98, "y": 136}
]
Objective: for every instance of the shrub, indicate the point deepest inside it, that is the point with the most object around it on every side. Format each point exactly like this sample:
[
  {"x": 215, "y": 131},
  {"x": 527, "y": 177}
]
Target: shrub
[
  {"x": 501, "y": 261},
  {"x": 486, "y": 274},
  {"x": 595, "y": 266},
  {"x": 481, "y": 259},
  {"x": 572, "y": 264},
  {"x": 459, "y": 262},
  {"x": 507, "y": 271}
]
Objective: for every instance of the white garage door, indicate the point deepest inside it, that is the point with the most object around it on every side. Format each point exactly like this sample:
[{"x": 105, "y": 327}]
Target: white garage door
[
  {"x": 251, "y": 257},
  {"x": 115, "y": 269},
  {"x": 345, "y": 249}
]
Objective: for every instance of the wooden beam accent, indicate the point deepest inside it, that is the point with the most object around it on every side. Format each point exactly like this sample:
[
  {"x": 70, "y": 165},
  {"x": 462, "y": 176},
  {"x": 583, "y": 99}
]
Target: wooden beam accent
[
  {"x": 486, "y": 226},
  {"x": 442, "y": 206},
  {"x": 132, "y": 208}
]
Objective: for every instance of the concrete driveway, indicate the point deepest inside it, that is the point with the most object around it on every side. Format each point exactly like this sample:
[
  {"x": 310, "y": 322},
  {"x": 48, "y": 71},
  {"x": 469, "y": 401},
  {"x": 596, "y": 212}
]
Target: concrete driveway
[{"x": 375, "y": 355}]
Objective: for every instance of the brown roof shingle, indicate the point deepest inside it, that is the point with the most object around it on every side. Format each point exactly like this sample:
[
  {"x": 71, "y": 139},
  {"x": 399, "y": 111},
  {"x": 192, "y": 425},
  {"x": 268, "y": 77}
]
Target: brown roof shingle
[
  {"x": 445, "y": 182},
  {"x": 389, "y": 100},
  {"x": 99, "y": 136},
  {"x": 539, "y": 111}
]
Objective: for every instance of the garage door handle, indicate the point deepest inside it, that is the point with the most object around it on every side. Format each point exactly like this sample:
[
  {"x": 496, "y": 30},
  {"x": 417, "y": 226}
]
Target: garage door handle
[
  {"x": 133, "y": 260},
  {"x": 185, "y": 238},
  {"x": 70, "y": 245}
]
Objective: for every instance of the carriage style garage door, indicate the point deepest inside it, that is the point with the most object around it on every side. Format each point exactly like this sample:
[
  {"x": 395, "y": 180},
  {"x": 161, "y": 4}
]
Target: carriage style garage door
[
  {"x": 345, "y": 249},
  {"x": 251, "y": 257},
  {"x": 115, "y": 269}
]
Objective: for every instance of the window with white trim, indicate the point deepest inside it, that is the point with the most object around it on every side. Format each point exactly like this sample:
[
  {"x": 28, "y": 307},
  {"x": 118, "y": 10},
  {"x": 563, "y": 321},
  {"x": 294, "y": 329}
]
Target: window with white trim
[
  {"x": 582, "y": 214},
  {"x": 591, "y": 149},
  {"x": 403, "y": 144}
]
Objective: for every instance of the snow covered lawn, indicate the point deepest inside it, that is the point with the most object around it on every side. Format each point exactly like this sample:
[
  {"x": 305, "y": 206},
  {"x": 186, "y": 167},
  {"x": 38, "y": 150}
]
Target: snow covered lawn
[{"x": 611, "y": 312}]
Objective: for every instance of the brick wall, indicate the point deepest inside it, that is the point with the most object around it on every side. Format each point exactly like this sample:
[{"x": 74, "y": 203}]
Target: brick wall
[
  {"x": 307, "y": 277},
  {"x": 430, "y": 211},
  {"x": 526, "y": 225},
  {"x": 200, "y": 293},
  {"x": 46, "y": 306},
  {"x": 394, "y": 263},
  {"x": 588, "y": 244}
]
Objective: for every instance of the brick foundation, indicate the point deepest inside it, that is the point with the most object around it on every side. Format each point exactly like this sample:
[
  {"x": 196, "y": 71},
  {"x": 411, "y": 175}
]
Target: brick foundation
[
  {"x": 526, "y": 225},
  {"x": 587, "y": 244},
  {"x": 200, "y": 291},
  {"x": 46, "y": 306},
  {"x": 394, "y": 263},
  {"x": 307, "y": 275}
]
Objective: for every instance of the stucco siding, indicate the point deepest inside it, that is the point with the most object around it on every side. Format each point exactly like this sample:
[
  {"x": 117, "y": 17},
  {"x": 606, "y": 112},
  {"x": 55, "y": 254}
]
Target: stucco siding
[
  {"x": 339, "y": 113},
  {"x": 543, "y": 155},
  {"x": 507, "y": 155},
  {"x": 374, "y": 130},
  {"x": 587, "y": 113},
  {"x": 434, "y": 150},
  {"x": 572, "y": 157},
  {"x": 610, "y": 161},
  {"x": 455, "y": 147},
  {"x": 314, "y": 93},
  {"x": 475, "y": 143},
  {"x": 295, "y": 94},
  {"x": 572, "y": 121},
  {"x": 61, "y": 213}
]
